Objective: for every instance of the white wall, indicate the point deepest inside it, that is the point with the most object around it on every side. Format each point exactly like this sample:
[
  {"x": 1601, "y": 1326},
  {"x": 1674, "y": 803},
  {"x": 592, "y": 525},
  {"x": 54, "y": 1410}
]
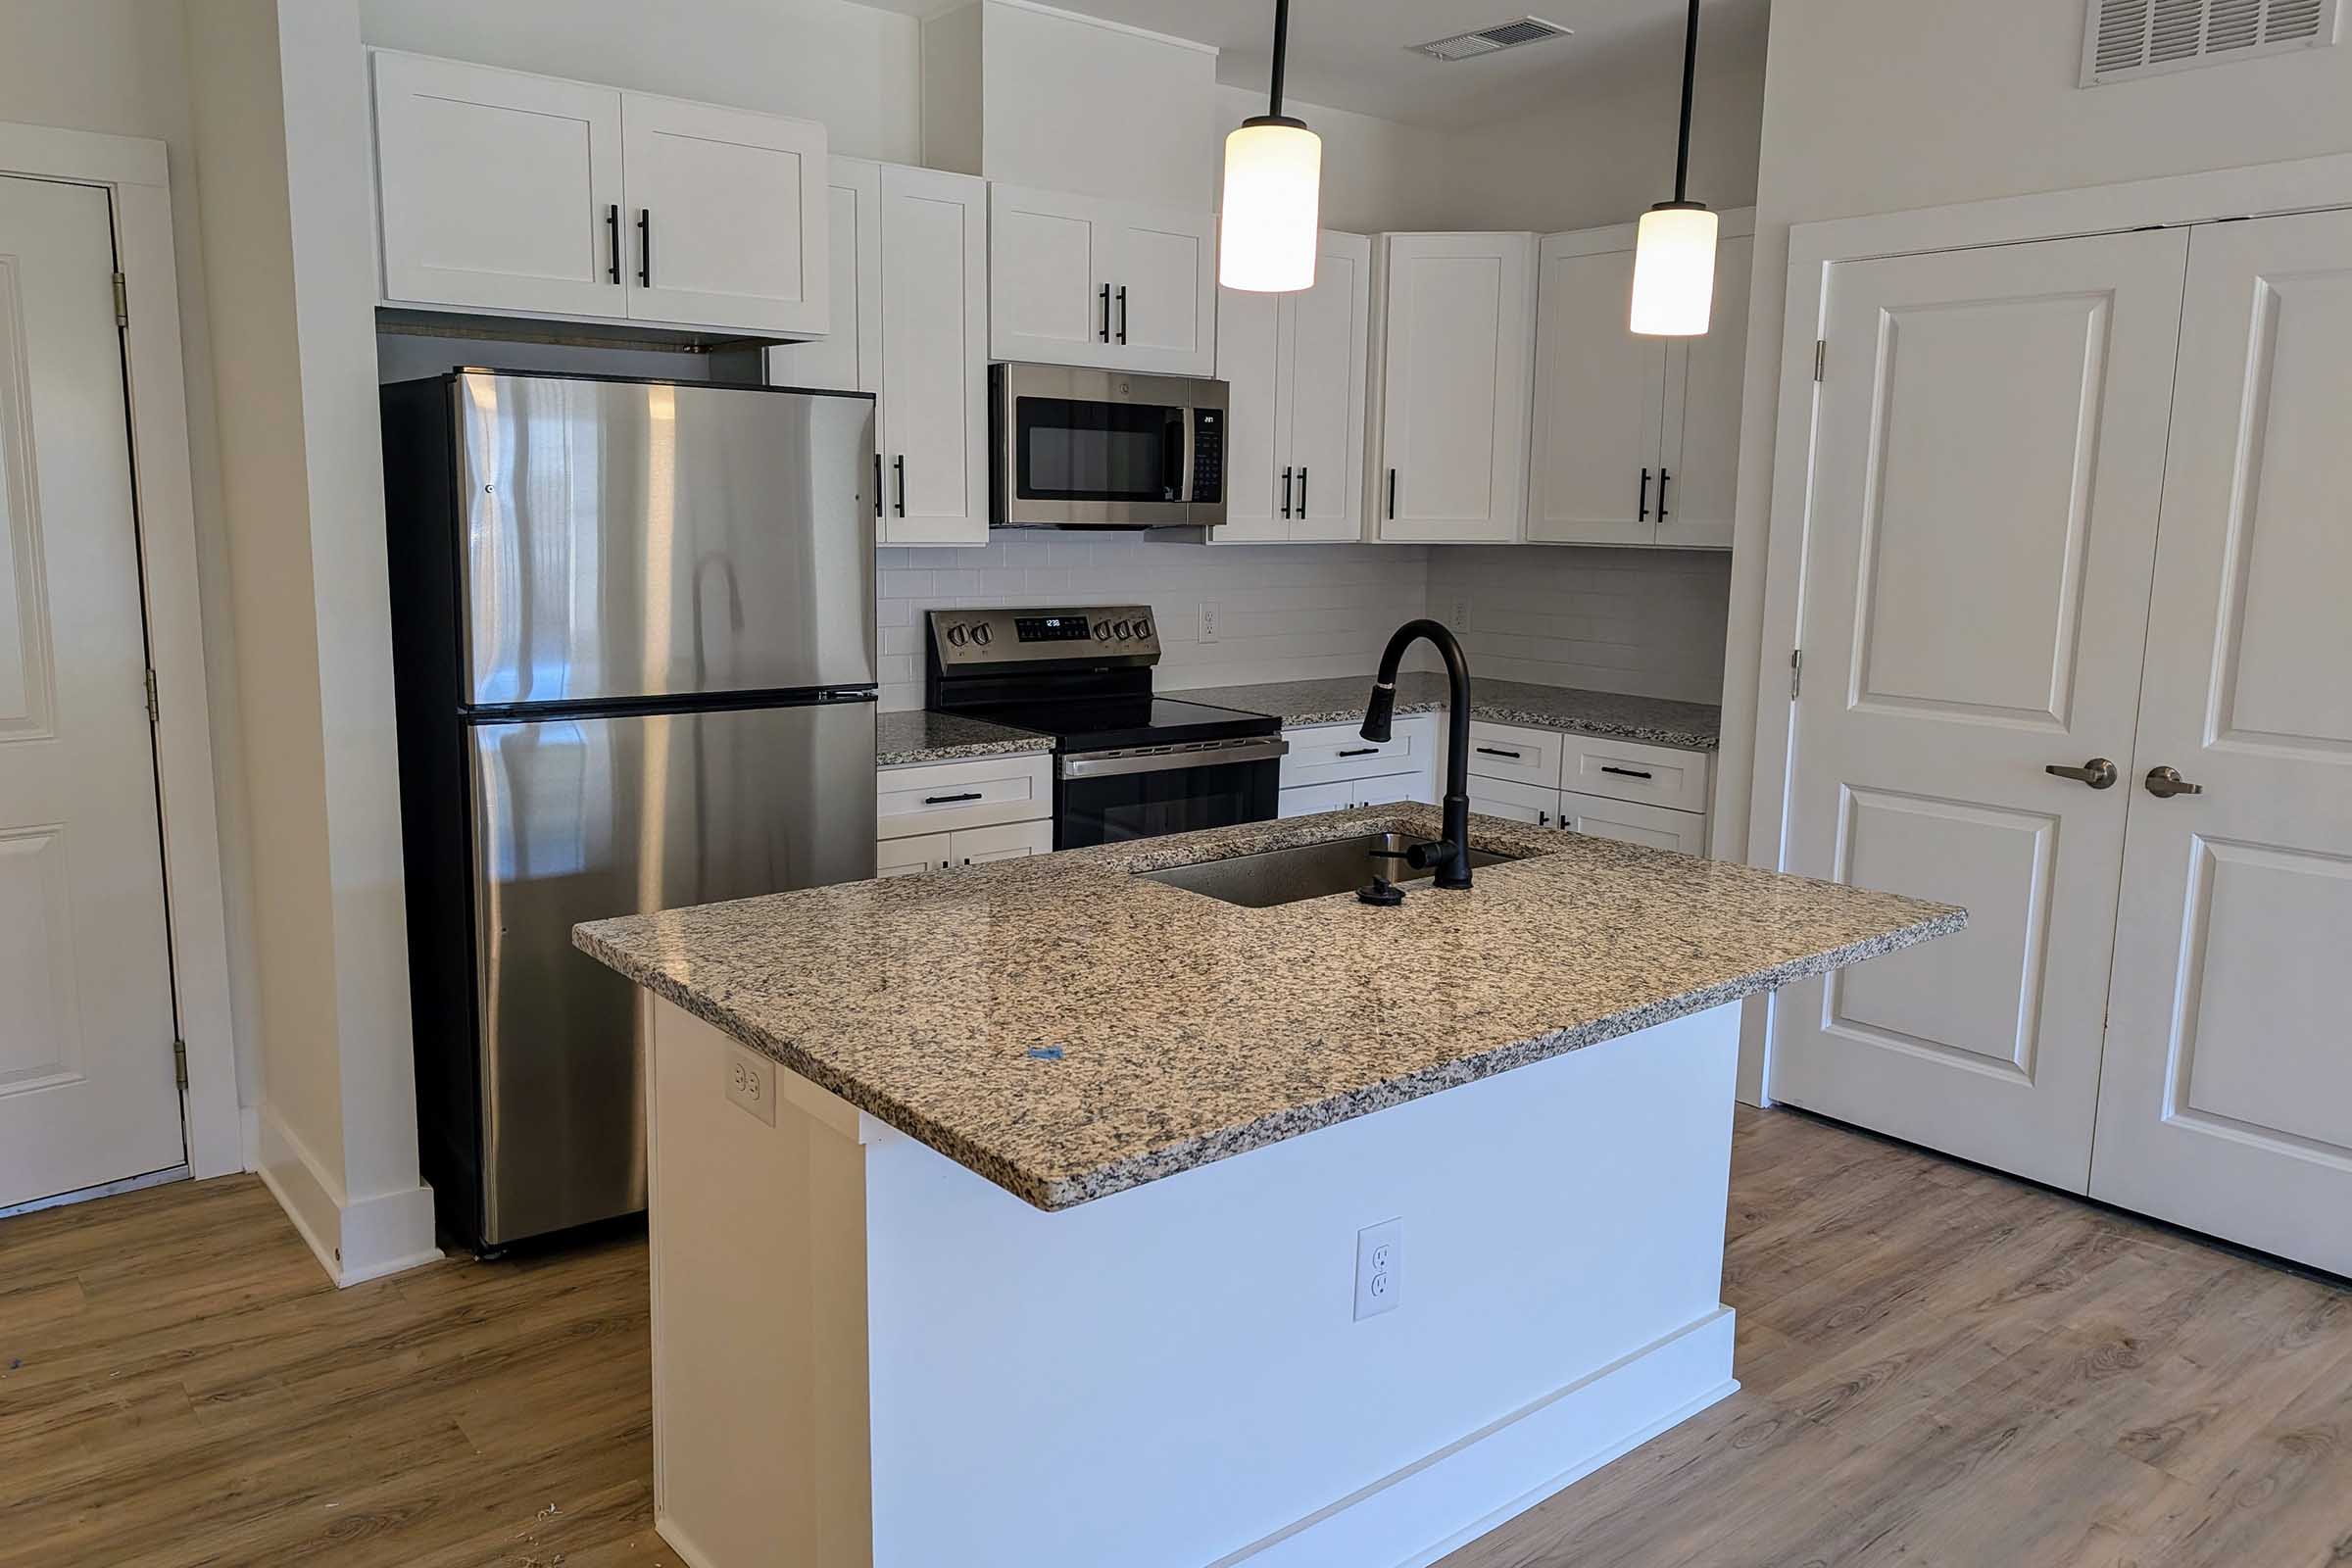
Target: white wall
[
  {"x": 1646, "y": 621},
  {"x": 1876, "y": 108},
  {"x": 1068, "y": 104}
]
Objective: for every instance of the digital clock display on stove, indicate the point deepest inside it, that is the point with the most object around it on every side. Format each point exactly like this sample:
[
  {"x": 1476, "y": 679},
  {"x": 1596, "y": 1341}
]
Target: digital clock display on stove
[{"x": 1051, "y": 629}]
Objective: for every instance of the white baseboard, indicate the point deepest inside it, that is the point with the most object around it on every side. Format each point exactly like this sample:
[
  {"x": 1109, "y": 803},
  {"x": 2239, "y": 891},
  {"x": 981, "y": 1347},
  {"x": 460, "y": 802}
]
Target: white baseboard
[
  {"x": 1474, "y": 1484},
  {"x": 353, "y": 1238}
]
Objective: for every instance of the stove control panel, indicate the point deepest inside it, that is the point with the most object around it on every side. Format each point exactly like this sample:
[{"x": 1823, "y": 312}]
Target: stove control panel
[{"x": 1119, "y": 633}]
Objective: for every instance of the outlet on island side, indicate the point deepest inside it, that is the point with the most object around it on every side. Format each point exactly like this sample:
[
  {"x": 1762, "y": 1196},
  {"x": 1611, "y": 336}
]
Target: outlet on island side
[
  {"x": 1211, "y": 619},
  {"x": 1379, "y": 1267},
  {"x": 752, "y": 1083}
]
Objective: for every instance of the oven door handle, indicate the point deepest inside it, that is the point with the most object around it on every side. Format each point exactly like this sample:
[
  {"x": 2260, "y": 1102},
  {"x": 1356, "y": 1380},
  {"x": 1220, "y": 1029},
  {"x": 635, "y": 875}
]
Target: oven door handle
[{"x": 1212, "y": 754}]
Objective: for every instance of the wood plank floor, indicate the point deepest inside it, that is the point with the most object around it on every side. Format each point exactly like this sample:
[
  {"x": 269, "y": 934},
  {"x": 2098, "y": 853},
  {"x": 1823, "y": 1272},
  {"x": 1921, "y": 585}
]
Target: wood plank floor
[{"x": 1943, "y": 1369}]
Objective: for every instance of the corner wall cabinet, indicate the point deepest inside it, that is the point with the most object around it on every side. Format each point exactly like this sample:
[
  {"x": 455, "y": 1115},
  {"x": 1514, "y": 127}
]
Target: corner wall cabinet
[
  {"x": 508, "y": 193},
  {"x": 1636, "y": 439},
  {"x": 910, "y": 284},
  {"x": 1294, "y": 433},
  {"x": 1453, "y": 334},
  {"x": 1083, "y": 281}
]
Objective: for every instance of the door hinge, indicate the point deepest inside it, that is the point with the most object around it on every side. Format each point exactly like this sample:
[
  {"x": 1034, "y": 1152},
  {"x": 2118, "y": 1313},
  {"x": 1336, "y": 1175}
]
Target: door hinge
[
  {"x": 1797, "y": 674},
  {"x": 1821, "y": 358},
  {"x": 179, "y": 1061},
  {"x": 122, "y": 299},
  {"x": 155, "y": 702}
]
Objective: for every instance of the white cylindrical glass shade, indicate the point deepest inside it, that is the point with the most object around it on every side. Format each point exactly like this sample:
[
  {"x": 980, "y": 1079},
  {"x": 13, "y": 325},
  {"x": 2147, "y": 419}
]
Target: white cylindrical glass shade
[
  {"x": 1674, "y": 271},
  {"x": 1273, "y": 200}
]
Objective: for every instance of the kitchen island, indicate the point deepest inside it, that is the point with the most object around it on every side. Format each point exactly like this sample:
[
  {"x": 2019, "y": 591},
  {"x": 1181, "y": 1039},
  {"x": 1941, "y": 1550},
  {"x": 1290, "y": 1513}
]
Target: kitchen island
[{"x": 1047, "y": 1214}]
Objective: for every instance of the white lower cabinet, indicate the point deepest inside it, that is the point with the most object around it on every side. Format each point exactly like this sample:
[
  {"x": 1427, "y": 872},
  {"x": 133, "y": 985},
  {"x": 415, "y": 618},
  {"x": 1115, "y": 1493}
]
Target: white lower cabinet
[
  {"x": 940, "y": 852},
  {"x": 1536, "y": 805},
  {"x": 1642, "y": 794},
  {"x": 1654, "y": 825},
  {"x": 930, "y": 816},
  {"x": 1332, "y": 767}
]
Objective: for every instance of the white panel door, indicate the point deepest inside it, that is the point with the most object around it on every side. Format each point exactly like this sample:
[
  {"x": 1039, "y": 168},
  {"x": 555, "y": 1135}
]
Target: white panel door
[
  {"x": 1700, "y": 464},
  {"x": 1048, "y": 277},
  {"x": 1324, "y": 358},
  {"x": 730, "y": 217},
  {"x": 850, "y": 359},
  {"x": 1163, "y": 292},
  {"x": 1454, "y": 384},
  {"x": 2226, "y": 1099},
  {"x": 1599, "y": 396},
  {"x": 1988, "y": 452},
  {"x": 935, "y": 356},
  {"x": 87, "y": 1093},
  {"x": 1259, "y": 481},
  {"x": 496, "y": 189}
]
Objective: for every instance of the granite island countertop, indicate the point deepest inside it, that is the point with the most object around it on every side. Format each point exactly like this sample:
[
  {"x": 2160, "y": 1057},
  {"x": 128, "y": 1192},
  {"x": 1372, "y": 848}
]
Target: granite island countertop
[
  {"x": 1658, "y": 720},
  {"x": 926, "y": 737},
  {"x": 1068, "y": 1030}
]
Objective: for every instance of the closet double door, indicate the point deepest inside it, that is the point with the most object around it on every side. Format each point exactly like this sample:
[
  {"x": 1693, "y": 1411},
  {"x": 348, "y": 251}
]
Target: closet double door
[{"x": 2073, "y": 657}]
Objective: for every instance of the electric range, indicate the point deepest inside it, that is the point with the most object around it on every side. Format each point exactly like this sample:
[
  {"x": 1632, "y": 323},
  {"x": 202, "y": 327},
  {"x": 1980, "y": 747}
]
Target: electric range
[{"x": 1127, "y": 763}]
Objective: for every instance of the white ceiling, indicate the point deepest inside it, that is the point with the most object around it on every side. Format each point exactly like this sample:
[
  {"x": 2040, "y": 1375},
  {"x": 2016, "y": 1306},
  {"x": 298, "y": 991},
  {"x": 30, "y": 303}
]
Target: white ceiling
[{"x": 1357, "y": 54}]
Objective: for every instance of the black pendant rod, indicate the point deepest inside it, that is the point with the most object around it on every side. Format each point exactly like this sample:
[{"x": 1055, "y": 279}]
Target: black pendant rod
[
  {"x": 1682, "y": 154},
  {"x": 1282, "y": 42}
]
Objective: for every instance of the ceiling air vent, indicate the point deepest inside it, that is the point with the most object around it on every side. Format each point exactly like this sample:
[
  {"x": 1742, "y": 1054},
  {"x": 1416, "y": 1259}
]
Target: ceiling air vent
[
  {"x": 2126, "y": 39},
  {"x": 1510, "y": 34}
]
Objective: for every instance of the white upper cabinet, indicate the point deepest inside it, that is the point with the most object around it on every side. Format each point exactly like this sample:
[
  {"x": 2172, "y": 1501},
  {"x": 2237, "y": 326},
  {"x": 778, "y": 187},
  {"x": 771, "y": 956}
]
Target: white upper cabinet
[
  {"x": 521, "y": 194},
  {"x": 851, "y": 359},
  {"x": 1637, "y": 439},
  {"x": 1083, "y": 281},
  {"x": 1294, "y": 433},
  {"x": 1456, "y": 341}
]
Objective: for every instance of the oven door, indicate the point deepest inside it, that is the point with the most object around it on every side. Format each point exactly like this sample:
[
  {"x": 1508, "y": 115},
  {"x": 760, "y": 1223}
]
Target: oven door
[
  {"x": 1104, "y": 796},
  {"x": 1075, "y": 447}
]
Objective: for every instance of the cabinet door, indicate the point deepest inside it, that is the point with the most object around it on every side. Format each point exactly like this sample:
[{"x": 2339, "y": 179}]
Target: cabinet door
[
  {"x": 1048, "y": 273},
  {"x": 1015, "y": 841},
  {"x": 1323, "y": 379},
  {"x": 912, "y": 856},
  {"x": 729, "y": 217},
  {"x": 1685, "y": 832},
  {"x": 1391, "y": 789},
  {"x": 1258, "y": 484},
  {"x": 496, "y": 190},
  {"x": 1515, "y": 802},
  {"x": 1163, "y": 293},
  {"x": 1702, "y": 441},
  {"x": 1600, "y": 390},
  {"x": 1309, "y": 800},
  {"x": 1456, "y": 365},
  {"x": 850, "y": 359},
  {"x": 935, "y": 356}
]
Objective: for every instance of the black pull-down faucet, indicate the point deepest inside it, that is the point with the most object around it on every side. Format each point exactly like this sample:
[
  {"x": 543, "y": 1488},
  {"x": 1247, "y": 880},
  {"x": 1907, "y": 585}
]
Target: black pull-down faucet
[{"x": 1450, "y": 854}]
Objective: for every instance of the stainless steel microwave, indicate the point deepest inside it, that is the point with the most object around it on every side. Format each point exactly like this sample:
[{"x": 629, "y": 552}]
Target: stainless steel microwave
[{"x": 1077, "y": 447}]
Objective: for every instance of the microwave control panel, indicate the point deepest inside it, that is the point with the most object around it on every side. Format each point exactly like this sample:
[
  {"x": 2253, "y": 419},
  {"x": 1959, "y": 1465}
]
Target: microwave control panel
[{"x": 1208, "y": 455}]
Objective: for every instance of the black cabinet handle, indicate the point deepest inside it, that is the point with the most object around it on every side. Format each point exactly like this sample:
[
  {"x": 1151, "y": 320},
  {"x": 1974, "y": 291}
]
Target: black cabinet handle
[
  {"x": 1627, "y": 772},
  {"x": 900, "y": 464},
  {"x": 645, "y": 247},
  {"x": 1362, "y": 751},
  {"x": 612, "y": 232},
  {"x": 1122, "y": 313},
  {"x": 1106, "y": 333},
  {"x": 1663, "y": 476},
  {"x": 1302, "y": 490},
  {"x": 1492, "y": 751},
  {"x": 1285, "y": 492},
  {"x": 878, "y": 484},
  {"x": 950, "y": 800},
  {"x": 1643, "y": 514},
  {"x": 1392, "y": 495}
]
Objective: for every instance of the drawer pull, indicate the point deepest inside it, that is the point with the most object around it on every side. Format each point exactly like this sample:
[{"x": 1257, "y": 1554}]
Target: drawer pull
[
  {"x": 950, "y": 800},
  {"x": 1361, "y": 751},
  {"x": 1624, "y": 772},
  {"x": 1497, "y": 751}
]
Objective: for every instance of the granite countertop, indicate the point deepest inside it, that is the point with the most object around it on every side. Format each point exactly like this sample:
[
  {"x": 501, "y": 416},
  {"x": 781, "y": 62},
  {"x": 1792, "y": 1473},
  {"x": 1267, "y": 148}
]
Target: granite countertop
[
  {"x": 925, "y": 737},
  {"x": 1693, "y": 726},
  {"x": 1190, "y": 1030}
]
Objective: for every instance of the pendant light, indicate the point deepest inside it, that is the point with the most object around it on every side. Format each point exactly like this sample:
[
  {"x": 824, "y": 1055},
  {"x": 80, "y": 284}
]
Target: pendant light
[
  {"x": 1273, "y": 193},
  {"x": 1674, "y": 250}
]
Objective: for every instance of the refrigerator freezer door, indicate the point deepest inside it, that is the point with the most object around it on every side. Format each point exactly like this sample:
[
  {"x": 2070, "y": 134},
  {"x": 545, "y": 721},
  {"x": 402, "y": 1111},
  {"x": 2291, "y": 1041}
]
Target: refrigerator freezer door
[
  {"x": 634, "y": 539},
  {"x": 581, "y": 819}
]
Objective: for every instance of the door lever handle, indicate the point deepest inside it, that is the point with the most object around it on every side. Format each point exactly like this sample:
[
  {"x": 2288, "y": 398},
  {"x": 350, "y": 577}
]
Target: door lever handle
[
  {"x": 2098, "y": 773},
  {"x": 2167, "y": 782}
]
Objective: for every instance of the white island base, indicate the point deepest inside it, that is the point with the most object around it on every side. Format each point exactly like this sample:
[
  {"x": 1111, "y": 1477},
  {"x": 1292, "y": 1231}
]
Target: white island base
[{"x": 864, "y": 1353}]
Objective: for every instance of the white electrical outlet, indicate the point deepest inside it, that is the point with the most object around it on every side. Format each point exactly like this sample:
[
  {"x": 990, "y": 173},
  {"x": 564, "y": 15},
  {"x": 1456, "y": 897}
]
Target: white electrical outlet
[
  {"x": 752, "y": 1083},
  {"x": 1210, "y": 618},
  {"x": 1379, "y": 1267}
]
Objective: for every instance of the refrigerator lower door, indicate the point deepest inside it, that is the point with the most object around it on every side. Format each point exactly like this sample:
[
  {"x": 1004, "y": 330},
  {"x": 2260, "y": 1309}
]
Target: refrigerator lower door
[{"x": 586, "y": 817}]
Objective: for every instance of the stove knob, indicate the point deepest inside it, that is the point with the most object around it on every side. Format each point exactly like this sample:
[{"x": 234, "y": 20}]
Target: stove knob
[
  {"x": 1142, "y": 631},
  {"x": 982, "y": 636},
  {"x": 1123, "y": 630},
  {"x": 958, "y": 636},
  {"x": 1101, "y": 632}
]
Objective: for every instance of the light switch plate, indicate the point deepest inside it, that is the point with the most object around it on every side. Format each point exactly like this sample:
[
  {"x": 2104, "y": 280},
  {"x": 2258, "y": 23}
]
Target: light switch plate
[
  {"x": 752, "y": 1083},
  {"x": 1379, "y": 1267}
]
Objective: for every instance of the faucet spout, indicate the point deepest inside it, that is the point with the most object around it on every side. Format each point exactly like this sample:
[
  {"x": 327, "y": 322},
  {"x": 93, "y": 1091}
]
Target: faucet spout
[{"x": 1451, "y": 855}]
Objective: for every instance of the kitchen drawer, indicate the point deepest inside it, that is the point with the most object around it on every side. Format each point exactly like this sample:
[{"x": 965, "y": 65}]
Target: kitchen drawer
[
  {"x": 1654, "y": 825},
  {"x": 1307, "y": 800},
  {"x": 1321, "y": 753},
  {"x": 1519, "y": 755},
  {"x": 946, "y": 797},
  {"x": 1534, "y": 803},
  {"x": 910, "y": 857},
  {"x": 977, "y": 846},
  {"x": 1628, "y": 771}
]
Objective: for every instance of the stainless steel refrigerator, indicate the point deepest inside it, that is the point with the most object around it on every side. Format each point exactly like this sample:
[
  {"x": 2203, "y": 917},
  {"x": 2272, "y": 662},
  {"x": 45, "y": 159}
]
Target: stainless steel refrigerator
[{"x": 633, "y": 628}]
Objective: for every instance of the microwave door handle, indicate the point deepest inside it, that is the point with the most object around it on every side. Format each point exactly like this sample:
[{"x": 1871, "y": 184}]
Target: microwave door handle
[{"x": 1179, "y": 440}]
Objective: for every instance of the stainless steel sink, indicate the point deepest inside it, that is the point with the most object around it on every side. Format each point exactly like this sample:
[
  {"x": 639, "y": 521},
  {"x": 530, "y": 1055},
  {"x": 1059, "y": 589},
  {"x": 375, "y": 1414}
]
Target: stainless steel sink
[{"x": 1304, "y": 871}]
